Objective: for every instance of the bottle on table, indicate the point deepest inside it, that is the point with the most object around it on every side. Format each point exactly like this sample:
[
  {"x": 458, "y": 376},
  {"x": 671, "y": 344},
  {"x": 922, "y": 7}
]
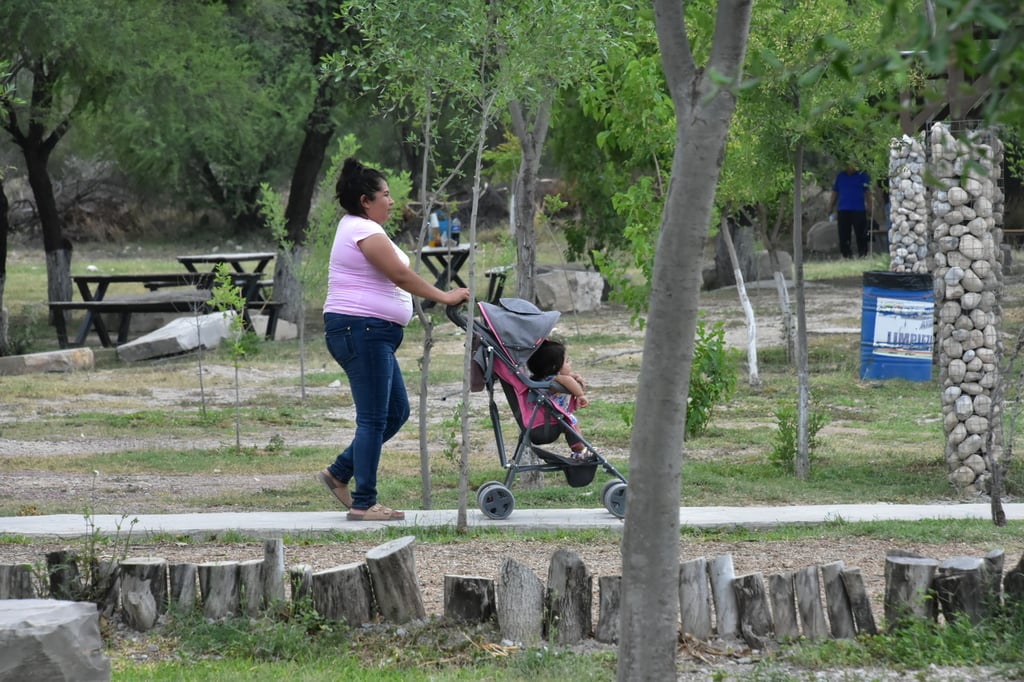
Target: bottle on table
[{"x": 456, "y": 230}]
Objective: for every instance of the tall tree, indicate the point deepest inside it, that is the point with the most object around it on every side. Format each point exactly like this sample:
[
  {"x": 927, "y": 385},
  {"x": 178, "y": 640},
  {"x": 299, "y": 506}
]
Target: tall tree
[{"x": 704, "y": 100}]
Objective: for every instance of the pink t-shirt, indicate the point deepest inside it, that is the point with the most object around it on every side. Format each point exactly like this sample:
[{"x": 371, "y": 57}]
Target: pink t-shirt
[{"x": 354, "y": 285}]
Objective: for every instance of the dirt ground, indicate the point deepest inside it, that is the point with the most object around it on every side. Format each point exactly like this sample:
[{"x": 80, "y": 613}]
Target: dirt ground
[{"x": 832, "y": 309}]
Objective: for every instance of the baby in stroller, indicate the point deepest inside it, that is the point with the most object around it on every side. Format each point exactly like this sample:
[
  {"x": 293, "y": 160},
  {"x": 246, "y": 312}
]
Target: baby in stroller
[{"x": 550, "y": 362}]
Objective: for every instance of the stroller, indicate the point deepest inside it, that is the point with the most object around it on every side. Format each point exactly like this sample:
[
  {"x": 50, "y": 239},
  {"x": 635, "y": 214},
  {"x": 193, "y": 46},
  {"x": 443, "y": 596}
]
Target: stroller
[{"x": 504, "y": 337}]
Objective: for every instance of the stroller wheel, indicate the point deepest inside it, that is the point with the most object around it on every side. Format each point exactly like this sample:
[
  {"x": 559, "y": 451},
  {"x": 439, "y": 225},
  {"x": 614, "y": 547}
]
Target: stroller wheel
[
  {"x": 496, "y": 501},
  {"x": 481, "y": 489},
  {"x": 614, "y": 498}
]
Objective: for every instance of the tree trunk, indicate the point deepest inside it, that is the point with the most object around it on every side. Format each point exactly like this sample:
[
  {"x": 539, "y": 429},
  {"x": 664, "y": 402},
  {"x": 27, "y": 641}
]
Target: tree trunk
[
  {"x": 570, "y": 590},
  {"x": 650, "y": 557},
  {"x": 152, "y": 570},
  {"x": 755, "y": 616},
  {"x": 218, "y": 585},
  {"x": 57, "y": 248},
  {"x": 802, "y": 463},
  {"x": 520, "y": 601},
  {"x": 5, "y": 231},
  {"x": 807, "y": 586},
  {"x": 908, "y": 590},
  {"x": 531, "y": 141},
  {"x": 752, "y": 375},
  {"x": 392, "y": 569},
  {"x": 695, "y": 598},
  {"x": 609, "y": 590},
  {"x": 468, "y": 598},
  {"x": 344, "y": 594},
  {"x": 840, "y": 613},
  {"x": 182, "y": 587},
  {"x": 783, "y": 600}
]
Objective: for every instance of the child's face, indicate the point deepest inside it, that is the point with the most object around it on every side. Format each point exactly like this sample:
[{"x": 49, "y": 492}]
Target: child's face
[{"x": 566, "y": 366}]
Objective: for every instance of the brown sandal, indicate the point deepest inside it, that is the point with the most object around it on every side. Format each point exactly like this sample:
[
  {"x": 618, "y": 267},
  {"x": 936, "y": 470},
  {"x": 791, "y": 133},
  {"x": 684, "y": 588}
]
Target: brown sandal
[
  {"x": 336, "y": 488},
  {"x": 377, "y": 512}
]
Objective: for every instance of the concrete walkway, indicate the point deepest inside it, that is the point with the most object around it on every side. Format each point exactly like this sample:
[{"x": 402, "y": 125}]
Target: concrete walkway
[{"x": 275, "y": 524}]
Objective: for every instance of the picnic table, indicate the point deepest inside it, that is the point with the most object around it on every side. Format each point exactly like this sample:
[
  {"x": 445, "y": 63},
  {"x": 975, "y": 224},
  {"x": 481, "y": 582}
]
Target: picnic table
[
  {"x": 237, "y": 261},
  {"x": 444, "y": 262},
  {"x": 174, "y": 292}
]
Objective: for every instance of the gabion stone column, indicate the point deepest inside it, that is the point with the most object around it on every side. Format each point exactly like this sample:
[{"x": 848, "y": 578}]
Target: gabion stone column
[
  {"x": 908, "y": 206},
  {"x": 968, "y": 282}
]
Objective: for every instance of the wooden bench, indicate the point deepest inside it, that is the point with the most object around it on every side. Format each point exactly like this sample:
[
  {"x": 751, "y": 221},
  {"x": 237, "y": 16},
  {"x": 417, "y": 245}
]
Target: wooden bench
[{"x": 189, "y": 301}]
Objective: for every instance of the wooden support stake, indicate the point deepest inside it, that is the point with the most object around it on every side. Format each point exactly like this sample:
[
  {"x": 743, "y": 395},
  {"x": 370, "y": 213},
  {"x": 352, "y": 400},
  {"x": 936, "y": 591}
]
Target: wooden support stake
[
  {"x": 755, "y": 617},
  {"x": 961, "y": 587},
  {"x": 569, "y": 596},
  {"x": 908, "y": 589},
  {"x": 392, "y": 569},
  {"x": 16, "y": 582},
  {"x": 153, "y": 569},
  {"x": 137, "y": 602},
  {"x": 218, "y": 584},
  {"x": 300, "y": 578},
  {"x": 183, "y": 587},
  {"x": 783, "y": 599},
  {"x": 808, "y": 603},
  {"x": 250, "y": 587},
  {"x": 344, "y": 594},
  {"x": 695, "y": 598},
  {"x": 721, "y": 574},
  {"x": 273, "y": 573},
  {"x": 520, "y": 600},
  {"x": 469, "y": 598},
  {"x": 840, "y": 614},
  {"x": 609, "y": 588},
  {"x": 863, "y": 617}
]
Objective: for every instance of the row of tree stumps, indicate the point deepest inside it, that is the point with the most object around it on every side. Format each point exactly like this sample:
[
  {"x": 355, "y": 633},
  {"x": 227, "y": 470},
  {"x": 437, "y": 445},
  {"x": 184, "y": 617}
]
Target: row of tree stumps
[
  {"x": 713, "y": 600},
  {"x": 947, "y": 220}
]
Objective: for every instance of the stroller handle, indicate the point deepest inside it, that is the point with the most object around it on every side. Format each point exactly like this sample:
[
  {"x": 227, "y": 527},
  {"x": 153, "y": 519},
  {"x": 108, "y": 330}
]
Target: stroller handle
[{"x": 455, "y": 314}]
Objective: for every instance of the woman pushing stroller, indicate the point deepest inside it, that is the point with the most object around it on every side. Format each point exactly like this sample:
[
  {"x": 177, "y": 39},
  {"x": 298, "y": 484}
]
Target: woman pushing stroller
[{"x": 550, "y": 362}]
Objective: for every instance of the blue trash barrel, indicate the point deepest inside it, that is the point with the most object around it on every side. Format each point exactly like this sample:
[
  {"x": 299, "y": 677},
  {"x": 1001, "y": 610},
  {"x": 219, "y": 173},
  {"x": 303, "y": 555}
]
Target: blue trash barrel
[{"x": 897, "y": 326}]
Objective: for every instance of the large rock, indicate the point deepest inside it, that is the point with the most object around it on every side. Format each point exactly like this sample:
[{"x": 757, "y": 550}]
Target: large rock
[
  {"x": 46, "y": 640},
  {"x": 823, "y": 237},
  {"x": 67, "y": 360},
  {"x": 568, "y": 290},
  {"x": 179, "y": 336}
]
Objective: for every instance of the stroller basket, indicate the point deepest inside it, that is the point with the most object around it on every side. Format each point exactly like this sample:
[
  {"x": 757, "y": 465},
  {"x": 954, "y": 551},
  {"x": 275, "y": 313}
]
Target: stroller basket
[{"x": 503, "y": 338}]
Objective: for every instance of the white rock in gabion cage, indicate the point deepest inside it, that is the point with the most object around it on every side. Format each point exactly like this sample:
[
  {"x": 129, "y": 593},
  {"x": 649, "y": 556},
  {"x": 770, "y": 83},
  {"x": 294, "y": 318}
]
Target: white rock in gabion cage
[
  {"x": 957, "y": 196},
  {"x": 964, "y": 408},
  {"x": 982, "y": 268},
  {"x": 968, "y": 446},
  {"x": 950, "y": 394},
  {"x": 971, "y": 282},
  {"x": 956, "y": 370},
  {"x": 958, "y": 434},
  {"x": 976, "y": 424},
  {"x": 976, "y": 464},
  {"x": 982, "y": 404},
  {"x": 970, "y": 300},
  {"x": 972, "y": 247},
  {"x": 962, "y": 477},
  {"x": 953, "y": 275}
]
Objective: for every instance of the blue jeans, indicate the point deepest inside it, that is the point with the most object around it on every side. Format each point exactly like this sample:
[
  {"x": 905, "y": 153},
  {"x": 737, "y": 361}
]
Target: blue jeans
[{"x": 365, "y": 348}]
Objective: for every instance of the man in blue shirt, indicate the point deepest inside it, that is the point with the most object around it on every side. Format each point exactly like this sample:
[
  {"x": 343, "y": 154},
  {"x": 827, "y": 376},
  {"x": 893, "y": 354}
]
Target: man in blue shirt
[{"x": 851, "y": 194}]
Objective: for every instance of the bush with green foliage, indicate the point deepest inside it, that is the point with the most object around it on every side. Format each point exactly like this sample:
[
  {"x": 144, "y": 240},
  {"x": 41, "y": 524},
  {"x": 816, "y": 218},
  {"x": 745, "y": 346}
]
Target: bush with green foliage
[
  {"x": 783, "y": 453},
  {"x": 712, "y": 377}
]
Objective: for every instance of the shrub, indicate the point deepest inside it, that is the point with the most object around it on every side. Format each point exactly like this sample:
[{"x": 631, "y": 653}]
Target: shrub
[
  {"x": 712, "y": 377},
  {"x": 783, "y": 453}
]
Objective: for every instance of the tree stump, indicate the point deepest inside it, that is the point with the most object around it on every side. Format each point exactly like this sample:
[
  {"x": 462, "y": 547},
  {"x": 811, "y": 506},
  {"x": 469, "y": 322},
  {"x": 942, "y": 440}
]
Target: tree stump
[
  {"x": 721, "y": 574},
  {"x": 994, "y": 577},
  {"x": 860, "y": 604},
  {"x": 300, "y": 578},
  {"x": 908, "y": 589},
  {"x": 808, "y": 603},
  {"x": 783, "y": 600},
  {"x": 106, "y": 577},
  {"x": 392, "y": 569},
  {"x": 520, "y": 601},
  {"x": 840, "y": 614},
  {"x": 16, "y": 582},
  {"x": 755, "y": 617},
  {"x": 153, "y": 569},
  {"x": 609, "y": 588},
  {"x": 64, "y": 578},
  {"x": 962, "y": 589},
  {"x": 183, "y": 587},
  {"x": 1013, "y": 585},
  {"x": 218, "y": 585},
  {"x": 468, "y": 598},
  {"x": 344, "y": 594},
  {"x": 273, "y": 573},
  {"x": 137, "y": 602},
  {"x": 250, "y": 587},
  {"x": 569, "y": 596},
  {"x": 695, "y": 598}
]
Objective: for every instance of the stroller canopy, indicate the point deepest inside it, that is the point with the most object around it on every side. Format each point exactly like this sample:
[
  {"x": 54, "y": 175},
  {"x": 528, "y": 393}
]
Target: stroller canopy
[{"x": 518, "y": 325}]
